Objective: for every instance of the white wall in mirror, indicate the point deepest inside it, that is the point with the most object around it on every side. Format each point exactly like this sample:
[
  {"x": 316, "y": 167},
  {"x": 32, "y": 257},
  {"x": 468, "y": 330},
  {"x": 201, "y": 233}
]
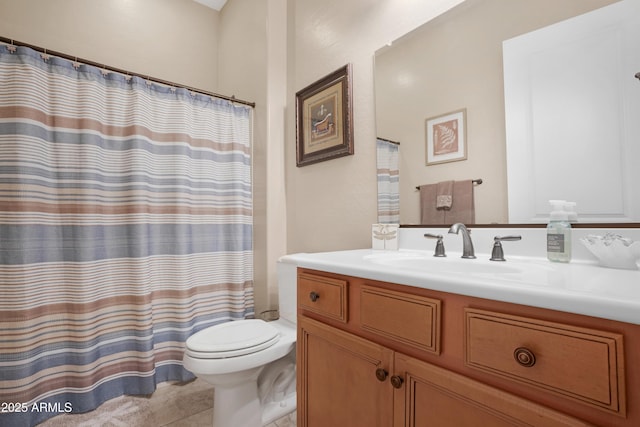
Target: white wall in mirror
[{"x": 572, "y": 108}]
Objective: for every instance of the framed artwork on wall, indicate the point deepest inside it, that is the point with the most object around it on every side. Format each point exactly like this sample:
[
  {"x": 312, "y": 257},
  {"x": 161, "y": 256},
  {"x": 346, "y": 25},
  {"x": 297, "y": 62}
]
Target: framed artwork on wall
[
  {"x": 324, "y": 127},
  {"x": 446, "y": 137}
]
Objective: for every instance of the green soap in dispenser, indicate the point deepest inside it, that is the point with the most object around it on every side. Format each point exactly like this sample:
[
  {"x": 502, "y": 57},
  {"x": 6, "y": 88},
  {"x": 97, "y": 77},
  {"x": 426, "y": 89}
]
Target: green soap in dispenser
[{"x": 558, "y": 233}]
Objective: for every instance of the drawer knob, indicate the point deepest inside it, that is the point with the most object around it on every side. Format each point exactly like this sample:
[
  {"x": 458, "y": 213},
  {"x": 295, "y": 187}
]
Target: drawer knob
[
  {"x": 313, "y": 296},
  {"x": 381, "y": 374},
  {"x": 524, "y": 357},
  {"x": 396, "y": 381}
]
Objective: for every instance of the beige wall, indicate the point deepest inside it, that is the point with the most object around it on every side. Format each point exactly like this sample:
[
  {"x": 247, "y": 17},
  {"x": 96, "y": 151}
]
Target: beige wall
[
  {"x": 453, "y": 62},
  {"x": 331, "y": 205},
  {"x": 172, "y": 40},
  {"x": 253, "y": 65}
]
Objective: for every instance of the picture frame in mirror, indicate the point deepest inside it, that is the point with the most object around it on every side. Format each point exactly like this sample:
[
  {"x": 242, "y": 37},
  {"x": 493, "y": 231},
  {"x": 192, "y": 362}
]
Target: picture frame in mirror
[{"x": 446, "y": 137}]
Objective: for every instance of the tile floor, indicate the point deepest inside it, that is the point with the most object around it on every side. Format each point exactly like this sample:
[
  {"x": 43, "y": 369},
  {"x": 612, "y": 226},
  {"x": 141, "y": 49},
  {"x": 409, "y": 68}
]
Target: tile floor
[{"x": 172, "y": 405}]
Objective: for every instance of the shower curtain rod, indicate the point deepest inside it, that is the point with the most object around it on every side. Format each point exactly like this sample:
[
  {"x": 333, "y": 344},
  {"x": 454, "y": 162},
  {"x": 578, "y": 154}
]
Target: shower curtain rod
[{"x": 125, "y": 72}]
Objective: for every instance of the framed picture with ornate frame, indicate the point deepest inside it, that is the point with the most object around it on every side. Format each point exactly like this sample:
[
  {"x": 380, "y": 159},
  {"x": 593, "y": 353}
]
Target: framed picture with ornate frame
[
  {"x": 446, "y": 137},
  {"x": 324, "y": 127}
]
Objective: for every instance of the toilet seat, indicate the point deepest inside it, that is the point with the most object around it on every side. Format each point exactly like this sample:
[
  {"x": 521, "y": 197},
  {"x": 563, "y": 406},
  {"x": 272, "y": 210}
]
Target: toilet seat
[{"x": 232, "y": 339}]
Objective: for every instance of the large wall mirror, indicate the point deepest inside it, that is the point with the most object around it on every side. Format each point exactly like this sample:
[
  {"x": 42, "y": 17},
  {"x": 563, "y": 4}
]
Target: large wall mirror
[{"x": 455, "y": 62}]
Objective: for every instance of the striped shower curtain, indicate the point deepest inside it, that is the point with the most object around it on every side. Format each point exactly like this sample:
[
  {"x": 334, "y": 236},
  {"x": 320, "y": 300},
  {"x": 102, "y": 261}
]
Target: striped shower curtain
[
  {"x": 388, "y": 181},
  {"x": 125, "y": 226}
]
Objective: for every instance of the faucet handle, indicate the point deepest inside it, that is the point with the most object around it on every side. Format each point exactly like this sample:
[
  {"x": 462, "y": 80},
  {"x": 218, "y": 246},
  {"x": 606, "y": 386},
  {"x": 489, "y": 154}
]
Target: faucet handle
[
  {"x": 507, "y": 238},
  {"x": 497, "y": 254},
  {"x": 439, "y": 245}
]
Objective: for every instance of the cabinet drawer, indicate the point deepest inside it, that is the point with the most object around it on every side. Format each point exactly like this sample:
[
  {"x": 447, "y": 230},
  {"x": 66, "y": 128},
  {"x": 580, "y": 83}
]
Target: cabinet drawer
[
  {"x": 323, "y": 295},
  {"x": 582, "y": 364},
  {"x": 410, "y": 319}
]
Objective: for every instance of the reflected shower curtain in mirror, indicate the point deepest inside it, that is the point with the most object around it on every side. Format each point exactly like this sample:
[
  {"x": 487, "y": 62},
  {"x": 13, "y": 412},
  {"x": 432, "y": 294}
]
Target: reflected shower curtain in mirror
[
  {"x": 388, "y": 181},
  {"x": 125, "y": 226}
]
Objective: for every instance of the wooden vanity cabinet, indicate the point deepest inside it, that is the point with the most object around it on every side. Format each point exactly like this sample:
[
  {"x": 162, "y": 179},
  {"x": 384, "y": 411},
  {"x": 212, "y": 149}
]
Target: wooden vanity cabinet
[{"x": 402, "y": 356}]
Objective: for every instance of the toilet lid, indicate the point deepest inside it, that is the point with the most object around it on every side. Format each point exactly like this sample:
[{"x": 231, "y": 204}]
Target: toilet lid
[{"x": 232, "y": 339}]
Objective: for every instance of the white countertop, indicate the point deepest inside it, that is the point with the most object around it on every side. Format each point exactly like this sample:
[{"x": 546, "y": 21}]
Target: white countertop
[{"x": 580, "y": 287}]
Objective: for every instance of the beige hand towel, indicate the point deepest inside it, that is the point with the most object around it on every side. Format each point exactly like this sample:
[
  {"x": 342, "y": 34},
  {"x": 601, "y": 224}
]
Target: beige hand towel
[
  {"x": 463, "y": 206},
  {"x": 444, "y": 195}
]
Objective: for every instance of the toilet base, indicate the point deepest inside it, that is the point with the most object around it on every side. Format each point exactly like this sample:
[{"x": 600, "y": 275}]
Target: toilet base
[
  {"x": 255, "y": 397},
  {"x": 276, "y": 410},
  {"x": 241, "y": 406},
  {"x": 237, "y": 406}
]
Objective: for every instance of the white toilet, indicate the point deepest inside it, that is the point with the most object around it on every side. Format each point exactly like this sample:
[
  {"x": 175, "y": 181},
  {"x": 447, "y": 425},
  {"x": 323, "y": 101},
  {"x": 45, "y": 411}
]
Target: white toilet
[{"x": 250, "y": 363}]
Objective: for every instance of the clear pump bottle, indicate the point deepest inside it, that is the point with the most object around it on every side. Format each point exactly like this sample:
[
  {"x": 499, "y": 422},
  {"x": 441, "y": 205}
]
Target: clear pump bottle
[{"x": 558, "y": 233}]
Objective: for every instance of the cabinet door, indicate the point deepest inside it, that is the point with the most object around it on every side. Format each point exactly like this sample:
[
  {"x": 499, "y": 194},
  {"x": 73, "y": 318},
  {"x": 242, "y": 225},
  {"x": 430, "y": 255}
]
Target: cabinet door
[
  {"x": 342, "y": 379},
  {"x": 432, "y": 396}
]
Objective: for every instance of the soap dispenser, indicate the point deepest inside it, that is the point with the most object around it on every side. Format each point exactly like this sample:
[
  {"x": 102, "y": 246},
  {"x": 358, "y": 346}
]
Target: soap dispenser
[{"x": 559, "y": 233}]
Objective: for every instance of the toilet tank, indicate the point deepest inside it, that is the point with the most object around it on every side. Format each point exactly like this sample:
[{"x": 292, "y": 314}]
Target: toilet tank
[{"x": 287, "y": 285}]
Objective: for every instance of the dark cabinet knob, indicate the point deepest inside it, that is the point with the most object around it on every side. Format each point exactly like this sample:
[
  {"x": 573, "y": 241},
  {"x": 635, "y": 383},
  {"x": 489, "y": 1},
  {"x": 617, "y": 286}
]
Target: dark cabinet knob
[
  {"x": 313, "y": 296},
  {"x": 396, "y": 381},
  {"x": 381, "y": 374},
  {"x": 524, "y": 357}
]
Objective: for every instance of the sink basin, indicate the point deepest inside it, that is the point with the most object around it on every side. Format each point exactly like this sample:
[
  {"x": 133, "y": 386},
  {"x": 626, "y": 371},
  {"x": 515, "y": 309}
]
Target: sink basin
[{"x": 451, "y": 264}]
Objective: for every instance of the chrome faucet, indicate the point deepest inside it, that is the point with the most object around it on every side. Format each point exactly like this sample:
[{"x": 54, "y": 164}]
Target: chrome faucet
[{"x": 467, "y": 244}]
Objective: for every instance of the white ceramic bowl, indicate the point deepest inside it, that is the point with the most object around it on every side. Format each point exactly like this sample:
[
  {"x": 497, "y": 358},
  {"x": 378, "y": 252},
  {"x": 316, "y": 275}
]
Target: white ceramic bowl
[{"x": 613, "y": 250}]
